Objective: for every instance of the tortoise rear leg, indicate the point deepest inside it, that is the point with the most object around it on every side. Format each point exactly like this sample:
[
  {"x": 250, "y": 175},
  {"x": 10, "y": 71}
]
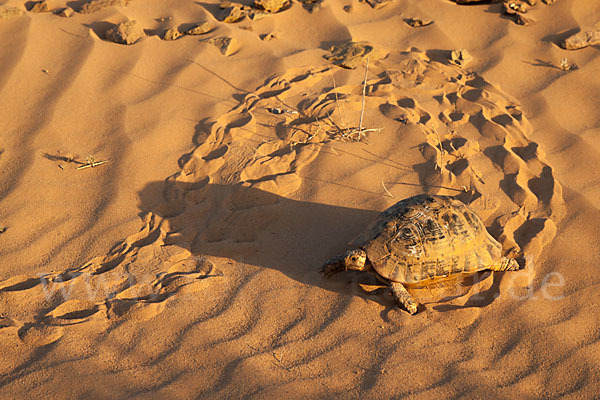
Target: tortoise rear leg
[
  {"x": 403, "y": 297},
  {"x": 506, "y": 264}
]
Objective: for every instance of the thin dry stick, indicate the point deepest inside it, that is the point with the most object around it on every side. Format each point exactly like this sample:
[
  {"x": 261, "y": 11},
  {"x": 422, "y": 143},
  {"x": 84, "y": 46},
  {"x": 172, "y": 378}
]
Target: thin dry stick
[
  {"x": 476, "y": 174},
  {"x": 441, "y": 150},
  {"x": 384, "y": 188},
  {"x": 362, "y": 109},
  {"x": 91, "y": 163},
  {"x": 94, "y": 164}
]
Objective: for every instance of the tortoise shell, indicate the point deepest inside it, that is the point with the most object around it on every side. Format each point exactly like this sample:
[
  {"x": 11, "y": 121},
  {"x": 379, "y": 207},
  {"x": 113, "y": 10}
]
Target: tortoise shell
[{"x": 427, "y": 238}]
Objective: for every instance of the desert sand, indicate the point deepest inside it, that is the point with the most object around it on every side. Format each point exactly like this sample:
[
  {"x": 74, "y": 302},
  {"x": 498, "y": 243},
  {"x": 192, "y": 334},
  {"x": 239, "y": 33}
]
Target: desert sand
[{"x": 165, "y": 205}]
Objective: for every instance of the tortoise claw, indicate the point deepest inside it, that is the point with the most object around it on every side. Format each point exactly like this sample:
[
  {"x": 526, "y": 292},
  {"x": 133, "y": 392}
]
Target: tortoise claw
[
  {"x": 403, "y": 297},
  {"x": 331, "y": 269},
  {"x": 333, "y": 266},
  {"x": 411, "y": 308}
]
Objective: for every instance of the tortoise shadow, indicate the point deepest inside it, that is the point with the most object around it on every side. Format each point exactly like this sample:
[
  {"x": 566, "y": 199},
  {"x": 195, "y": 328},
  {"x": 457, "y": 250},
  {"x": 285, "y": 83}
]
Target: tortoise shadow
[
  {"x": 257, "y": 227},
  {"x": 479, "y": 299},
  {"x": 260, "y": 228}
]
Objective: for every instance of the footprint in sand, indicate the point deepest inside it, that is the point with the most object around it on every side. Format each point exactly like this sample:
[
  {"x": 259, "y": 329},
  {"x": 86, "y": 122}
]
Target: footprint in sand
[
  {"x": 39, "y": 335},
  {"x": 475, "y": 140},
  {"x": 72, "y": 310},
  {"x": 456, "y": 134}
]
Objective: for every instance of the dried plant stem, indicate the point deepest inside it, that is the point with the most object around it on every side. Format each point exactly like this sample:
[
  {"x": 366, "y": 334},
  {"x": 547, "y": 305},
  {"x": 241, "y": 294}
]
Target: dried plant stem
[
  {"x": 91, "y": 164},
  {"x": 345, "y": 132},
  {"x": 362, "y": 109},
  {"x": 441, "y": 150},
  {"x": 386, "y": 190}
]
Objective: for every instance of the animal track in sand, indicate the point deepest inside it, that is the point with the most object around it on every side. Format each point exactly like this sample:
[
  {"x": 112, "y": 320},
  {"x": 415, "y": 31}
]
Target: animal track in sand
[{"x": 447, "y": 129}]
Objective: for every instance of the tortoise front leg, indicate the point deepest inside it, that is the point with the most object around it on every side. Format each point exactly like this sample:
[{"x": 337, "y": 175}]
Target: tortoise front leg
[
  {"x": 403, "y": 297},
  {"x": 334, "y": 266}
]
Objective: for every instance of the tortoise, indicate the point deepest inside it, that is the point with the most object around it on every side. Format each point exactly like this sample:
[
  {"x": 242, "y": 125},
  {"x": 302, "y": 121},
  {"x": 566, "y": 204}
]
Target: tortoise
[{"x": 422, "y": 240}]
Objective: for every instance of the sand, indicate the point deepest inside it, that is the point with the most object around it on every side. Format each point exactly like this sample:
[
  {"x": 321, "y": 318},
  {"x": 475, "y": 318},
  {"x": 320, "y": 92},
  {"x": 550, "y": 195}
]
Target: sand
[{"x": 166, "y": 205}]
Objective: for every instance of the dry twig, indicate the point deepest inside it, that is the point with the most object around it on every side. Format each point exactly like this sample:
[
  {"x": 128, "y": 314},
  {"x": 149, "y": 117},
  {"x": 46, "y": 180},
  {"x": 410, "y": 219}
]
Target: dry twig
[
  {"x": 565, "y": 65},
  {"x": 362, "y": 109},
  {"x": 345, "y": 132},
  {"x": 441, "y": 165},
  {"x": 386, "y": 190},
  {"x": 91, "y": 163}
]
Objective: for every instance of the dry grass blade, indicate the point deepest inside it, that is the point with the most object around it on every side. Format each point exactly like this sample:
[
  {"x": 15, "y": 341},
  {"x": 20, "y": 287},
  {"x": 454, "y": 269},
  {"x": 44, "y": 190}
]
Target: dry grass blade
[
  {"x": 91, "y": 163},
  {"x": 280, "y": 362},
  {"x": 479, "y": 178},
  {"x": 386, "y": 190},
  {"x": 362, "y": 109},
  {"x": 441, "y": 164},
  {"x": 345, "y": 132},
  {"x": 566, "y": 66}
]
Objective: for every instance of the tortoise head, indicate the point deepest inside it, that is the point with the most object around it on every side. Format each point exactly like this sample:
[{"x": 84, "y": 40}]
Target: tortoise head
[{"x": 356, "y": 259}]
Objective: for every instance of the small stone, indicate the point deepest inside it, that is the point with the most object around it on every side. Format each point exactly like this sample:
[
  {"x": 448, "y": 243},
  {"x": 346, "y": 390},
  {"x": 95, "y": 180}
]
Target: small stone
[
  {"x": 199, "y": 29},
  {"x": 271, "y": 6},
  {"x": 171, "y": 34},
  {"x": 127, "y": 33},
  {"x": 548, "y": 2},
  {"x": 234, "y": 13},
  {"x": 9, "y": 12},
  {"x": 581, "y": 40},
  {"x": 97, "y": 5},
  {"x": 513, "y": 7},
  {"x": 531, "y": 2},
  {"x": 226, "y": 45},
  {"x": 66, "y": 12},
  {"x": 523, "y": 20},
  {"x": 417, "y": 22},
  {"x": 40, "y": 7},
  {"x": 349, "y": 55},
  {"x": 348, "y": 8},
  {"x": 460, "y": 57},
  {"x": 377, "y": 4}
]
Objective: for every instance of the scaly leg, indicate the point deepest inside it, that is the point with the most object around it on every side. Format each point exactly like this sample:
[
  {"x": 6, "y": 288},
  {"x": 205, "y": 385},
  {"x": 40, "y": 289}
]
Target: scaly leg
[
  {"x": 506, "y": 264},
  {"x": 403, "y": 297}
]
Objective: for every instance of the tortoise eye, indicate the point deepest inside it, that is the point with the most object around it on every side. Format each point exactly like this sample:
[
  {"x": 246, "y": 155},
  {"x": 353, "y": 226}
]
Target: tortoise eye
[{"x": 353, "y": 258}]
